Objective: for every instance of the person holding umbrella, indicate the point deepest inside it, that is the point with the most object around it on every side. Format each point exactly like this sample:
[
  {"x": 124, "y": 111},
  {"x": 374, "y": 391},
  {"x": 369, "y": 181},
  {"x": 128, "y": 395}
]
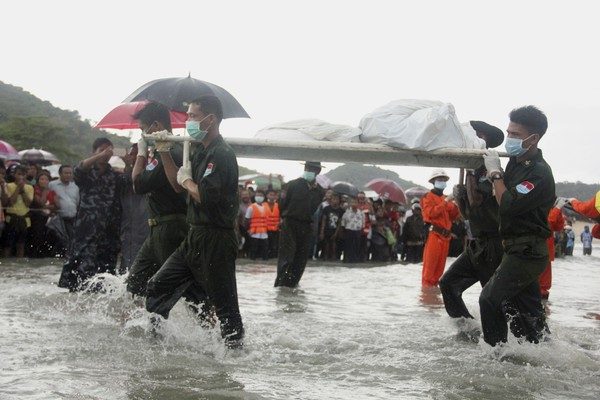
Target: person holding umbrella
[
  {"x": 206, "y": 257},
  {"x": 302, "y": 199}
]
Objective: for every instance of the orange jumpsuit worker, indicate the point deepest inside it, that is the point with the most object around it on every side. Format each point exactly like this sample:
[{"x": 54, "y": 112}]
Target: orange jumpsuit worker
[
  {"x": 591, "y": 209},
  {"x": 440, "y": 212},
  {"x": 556, "y": 221}
]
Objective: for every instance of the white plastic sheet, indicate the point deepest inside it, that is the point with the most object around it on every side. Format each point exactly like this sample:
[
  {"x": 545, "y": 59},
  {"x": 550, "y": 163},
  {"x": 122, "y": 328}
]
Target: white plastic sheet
[
  {"x": 417, "y": 125},
  {"x": 310, "y": 129}
]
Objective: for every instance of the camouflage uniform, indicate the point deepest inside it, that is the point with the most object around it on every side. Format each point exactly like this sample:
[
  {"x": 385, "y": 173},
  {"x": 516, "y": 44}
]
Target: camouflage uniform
[{"x": 95, "y": 243}]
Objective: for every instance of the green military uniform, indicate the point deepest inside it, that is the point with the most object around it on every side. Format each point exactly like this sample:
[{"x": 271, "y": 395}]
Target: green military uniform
[
  {"x": 514, "y": 287},
  {"x": 166, "y": 209},
  {"x": 297, "y": 209},
  {"x": 482, "y": 254},
  {"x": 205, "y": 260}
]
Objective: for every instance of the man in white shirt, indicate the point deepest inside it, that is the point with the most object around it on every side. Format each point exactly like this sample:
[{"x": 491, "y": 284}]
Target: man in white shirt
[{"x": 67, "y": 194}]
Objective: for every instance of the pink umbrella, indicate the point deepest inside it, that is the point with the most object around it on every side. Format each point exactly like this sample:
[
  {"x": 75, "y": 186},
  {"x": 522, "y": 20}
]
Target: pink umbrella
[
  {"x": 416, "y": 191},
  {"x": 121, "y": 117},
  {"x": 324, "y": 181},
  {"x": 387, "y": 189},
  {"x": 7, "y": 152}
]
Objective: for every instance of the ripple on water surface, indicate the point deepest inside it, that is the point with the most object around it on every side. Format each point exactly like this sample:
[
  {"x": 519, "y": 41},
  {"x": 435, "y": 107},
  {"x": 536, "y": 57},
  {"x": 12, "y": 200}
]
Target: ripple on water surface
[{"x": 345, "y": 333}]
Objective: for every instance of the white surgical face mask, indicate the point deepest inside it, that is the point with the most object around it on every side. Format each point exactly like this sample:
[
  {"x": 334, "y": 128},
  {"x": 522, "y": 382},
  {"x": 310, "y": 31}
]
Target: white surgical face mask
[
  {"x": 259, "y": 199},
  {"x": 514, "y": 146},
  {"x": 441, "y": 185},
  {"x": 309, "y": 176}
]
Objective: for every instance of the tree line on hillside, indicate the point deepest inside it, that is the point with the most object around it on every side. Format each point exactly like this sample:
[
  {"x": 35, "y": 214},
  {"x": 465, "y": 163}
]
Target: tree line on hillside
[{"x": 26, "y": 122}]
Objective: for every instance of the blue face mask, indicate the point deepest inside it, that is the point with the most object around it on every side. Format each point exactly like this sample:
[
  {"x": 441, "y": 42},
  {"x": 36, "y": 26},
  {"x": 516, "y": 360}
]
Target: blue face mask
[
  {"x": 193, "y": 129},
  {"x": 441, "y": 185},
  {"x": 309, "y": 176},
  {"x": 514, "y": 146}
]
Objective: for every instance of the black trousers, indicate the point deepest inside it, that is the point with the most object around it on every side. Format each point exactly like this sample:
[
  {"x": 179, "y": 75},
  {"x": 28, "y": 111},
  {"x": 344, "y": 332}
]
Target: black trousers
[
  {"x": 352, "y": 246},
  {"x": 294, "y": 242},
  {"x": 476, "y": 264},
  {"x": 513, "y": 294},
  {"x": 273, "y": 243},
  {"x": 162, "y": 241},
  {"x": 201, "y": 269},
  {"x": 259, "y": 248},
  {"x": 414, "y": 253}
]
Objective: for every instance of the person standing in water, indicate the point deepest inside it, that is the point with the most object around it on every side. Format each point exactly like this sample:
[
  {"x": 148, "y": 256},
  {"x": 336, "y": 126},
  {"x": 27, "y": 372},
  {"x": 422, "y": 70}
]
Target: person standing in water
[
  {"x": 302, "y": 198},
  {"x": 525, "y": 194},
  {"x": 166, "y": 207},
  {"x": 483, "y": 253},
  {"x": 206, "y": 257},
  {"x": 440, "y": 212}
]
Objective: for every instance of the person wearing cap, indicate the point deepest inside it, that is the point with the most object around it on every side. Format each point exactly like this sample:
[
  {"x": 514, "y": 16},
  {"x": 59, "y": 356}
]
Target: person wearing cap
[
  {"x": 204, "y": 262},
  {"x": 439, "y": 211},
  {"x": 483, "y": 253},
  {"x": 302, "y": 199},
  {"x": 95, "y": 243},
  {"x": 525, "y": 194}
]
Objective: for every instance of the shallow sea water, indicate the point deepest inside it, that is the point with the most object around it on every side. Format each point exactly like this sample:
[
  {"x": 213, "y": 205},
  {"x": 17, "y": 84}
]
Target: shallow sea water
[{"x": 347, "y": 333}]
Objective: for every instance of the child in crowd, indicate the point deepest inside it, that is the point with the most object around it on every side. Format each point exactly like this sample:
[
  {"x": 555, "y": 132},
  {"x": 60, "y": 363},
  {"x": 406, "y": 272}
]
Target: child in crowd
[
  {"x": 19, "y": 195},
  {"x": 330, "y": 222}
]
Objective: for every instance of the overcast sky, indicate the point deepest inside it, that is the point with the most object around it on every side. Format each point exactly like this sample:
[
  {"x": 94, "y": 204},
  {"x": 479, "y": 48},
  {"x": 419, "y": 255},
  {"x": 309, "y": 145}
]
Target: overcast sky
[{"x": 333, "y": 60}]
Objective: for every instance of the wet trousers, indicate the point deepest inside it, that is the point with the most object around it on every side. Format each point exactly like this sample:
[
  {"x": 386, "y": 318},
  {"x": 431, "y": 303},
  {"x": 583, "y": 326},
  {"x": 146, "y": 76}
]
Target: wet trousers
[
  {"x": 434, "y": 258},
  {"x": 352, "y": 243},
  {"x": 259, "y": 248},
  {"x": 476, "y": 264},
  {"x": 513, "y": 294},
  {"x": 201, "y": 269},
  {"x": 273, "y": 243},
  {"x": 294, "y": 242},
  {"x": 160, "y": 243},
  {"x": 414, "y": 253}
]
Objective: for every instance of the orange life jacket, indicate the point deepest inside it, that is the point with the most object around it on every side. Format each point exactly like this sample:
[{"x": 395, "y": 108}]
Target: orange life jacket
[
  {"x": 258, "y": 222},
  {"x": 272, "y": 217}
]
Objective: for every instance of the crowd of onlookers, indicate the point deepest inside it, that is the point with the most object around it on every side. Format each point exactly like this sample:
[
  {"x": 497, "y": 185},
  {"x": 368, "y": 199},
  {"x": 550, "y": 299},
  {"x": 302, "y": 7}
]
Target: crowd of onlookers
[
  {"x": 349, "y": 228},
  {"x": 37, "y": 215},
  {"x": 361, "y": 228},
  {"x": 34, "y": 208}
]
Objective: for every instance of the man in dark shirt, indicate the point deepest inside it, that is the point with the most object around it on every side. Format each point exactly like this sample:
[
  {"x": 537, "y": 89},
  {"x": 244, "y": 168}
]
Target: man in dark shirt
[
  {"x": 482, "y": 255},
  {"x": 330, "y": 223},
  {"x": 95, "y": 242},
  {"x": 302, "y": 198},
  {"x": 525, "y": 194},
  {"x": 206, "y": 258},
  {"x": 166, "y": 207}
]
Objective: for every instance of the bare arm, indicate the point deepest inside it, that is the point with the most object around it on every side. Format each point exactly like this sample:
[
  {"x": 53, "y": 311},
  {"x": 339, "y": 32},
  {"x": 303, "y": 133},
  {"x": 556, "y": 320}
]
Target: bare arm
[
  {"x": 499, "y": 189},
  {"x": 171, "y": 173},
  {"x": 475, "y": 198},
  {"x": 192, "y": 189}
]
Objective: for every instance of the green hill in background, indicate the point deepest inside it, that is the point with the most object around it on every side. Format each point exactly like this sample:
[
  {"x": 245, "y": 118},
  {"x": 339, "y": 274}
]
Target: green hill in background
[
  {"x": 359, "y": 174},
  {"x": 26, "y": 122}
]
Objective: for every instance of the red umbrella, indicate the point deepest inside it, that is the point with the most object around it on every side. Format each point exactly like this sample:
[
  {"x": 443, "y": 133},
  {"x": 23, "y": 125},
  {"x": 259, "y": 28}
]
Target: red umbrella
[
  {"x": 387, "y": 189},
  {"x": 121, "y": 117},
  {"x": 7, "y": 152}
]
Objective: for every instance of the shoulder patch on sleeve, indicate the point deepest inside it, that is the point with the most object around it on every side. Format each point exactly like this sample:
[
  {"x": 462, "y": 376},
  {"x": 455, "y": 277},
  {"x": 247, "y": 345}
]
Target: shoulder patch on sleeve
[
  {"x": 151, "y": 164},
  {"x": 525, "y": 187},
  {"x": 209, "y": 169}
]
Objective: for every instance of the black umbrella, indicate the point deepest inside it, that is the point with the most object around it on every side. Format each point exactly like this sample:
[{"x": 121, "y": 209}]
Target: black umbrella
[
  {"x": 344, "y": 188},
  {"x": 175, "y": 93}
]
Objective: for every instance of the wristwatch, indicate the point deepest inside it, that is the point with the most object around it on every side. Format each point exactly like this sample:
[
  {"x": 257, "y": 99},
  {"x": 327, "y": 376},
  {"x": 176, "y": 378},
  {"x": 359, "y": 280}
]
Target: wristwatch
[{"x": 496, "y": 176}]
